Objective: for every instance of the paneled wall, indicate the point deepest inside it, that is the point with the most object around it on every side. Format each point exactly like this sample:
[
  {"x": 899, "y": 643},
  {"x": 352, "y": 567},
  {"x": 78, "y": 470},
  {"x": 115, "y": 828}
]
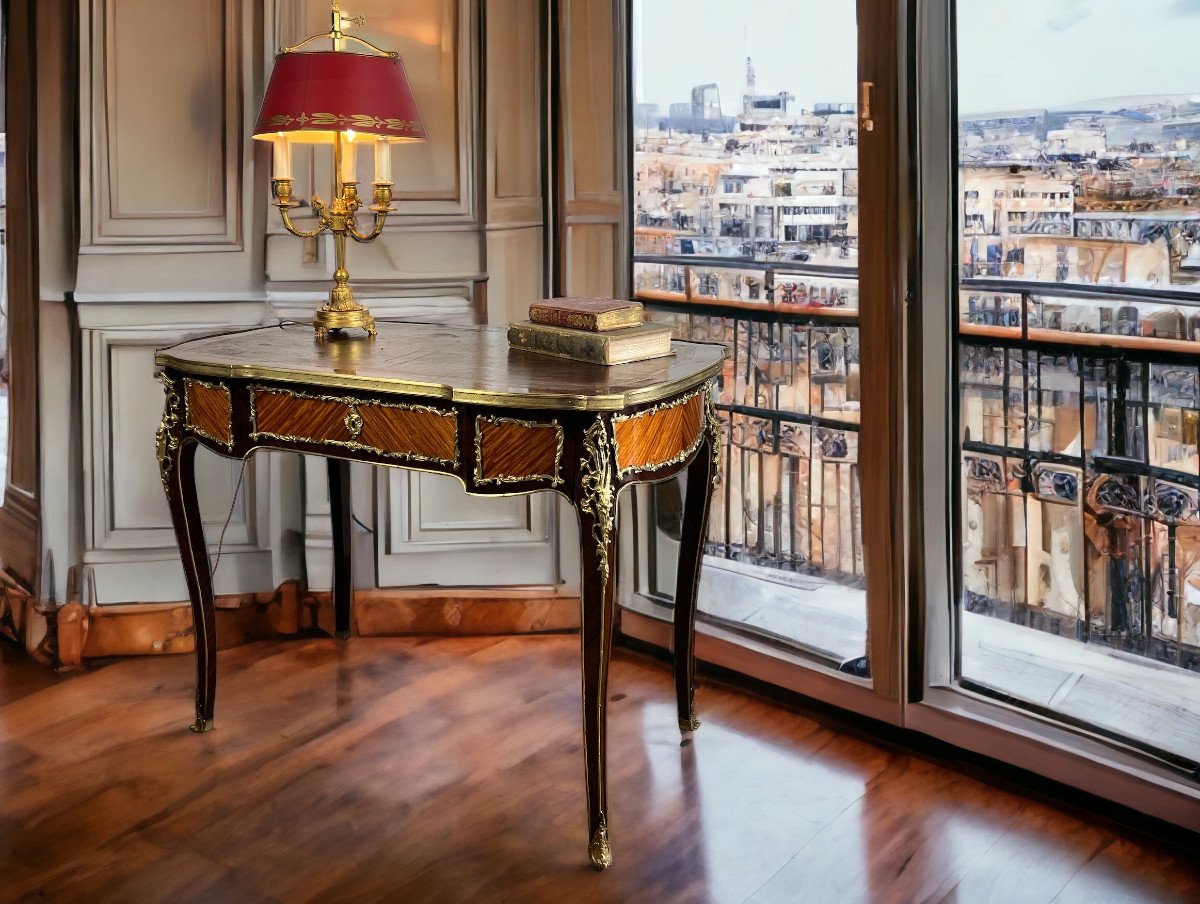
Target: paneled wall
[
  {"x": 168, "y": 248},
  {"x": 177, "y": 239}
]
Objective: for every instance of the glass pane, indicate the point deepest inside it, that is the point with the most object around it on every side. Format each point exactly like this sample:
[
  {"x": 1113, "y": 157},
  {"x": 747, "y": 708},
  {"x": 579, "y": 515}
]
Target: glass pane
[
  {"x": 745, "y": 198},
  {"x": 1079, "y": 333}
]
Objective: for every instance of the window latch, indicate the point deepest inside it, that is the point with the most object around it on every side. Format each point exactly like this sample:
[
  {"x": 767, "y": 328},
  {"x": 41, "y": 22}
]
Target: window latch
[{"x": 864, "y": 115}]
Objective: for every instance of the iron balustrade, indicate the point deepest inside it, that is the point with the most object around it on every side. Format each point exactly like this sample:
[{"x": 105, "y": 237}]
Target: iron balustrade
[
  {"x": 790, "y": 492},
  {"x": 1102, "y": 420}
]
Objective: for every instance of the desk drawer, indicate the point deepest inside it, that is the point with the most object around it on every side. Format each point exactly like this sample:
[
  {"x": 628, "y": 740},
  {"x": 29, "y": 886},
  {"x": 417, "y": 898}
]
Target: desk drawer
[
  {"x": 663, "y": 435},
  {"x": 395, "y": 430}
]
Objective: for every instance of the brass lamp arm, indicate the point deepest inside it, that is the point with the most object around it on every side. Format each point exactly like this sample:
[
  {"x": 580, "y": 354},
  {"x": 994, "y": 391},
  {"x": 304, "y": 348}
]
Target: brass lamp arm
[
  {"x": 286, "y": 215},
  {"x": 376, "y": 230},
  {"x": 381, "y": 208},
  {"x": 282, "y": 189}
]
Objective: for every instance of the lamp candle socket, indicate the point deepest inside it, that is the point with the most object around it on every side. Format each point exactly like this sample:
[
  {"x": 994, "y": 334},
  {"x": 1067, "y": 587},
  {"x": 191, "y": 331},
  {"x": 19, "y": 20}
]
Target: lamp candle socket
[
  {"x": 282, "y": 190},
  {"x": 382, "y": 197}
]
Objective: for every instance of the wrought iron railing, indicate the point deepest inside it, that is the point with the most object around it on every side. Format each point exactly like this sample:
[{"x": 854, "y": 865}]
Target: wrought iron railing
[
  {"x": 1078, "y": 420},
  {"x": 789, "y": 493}
]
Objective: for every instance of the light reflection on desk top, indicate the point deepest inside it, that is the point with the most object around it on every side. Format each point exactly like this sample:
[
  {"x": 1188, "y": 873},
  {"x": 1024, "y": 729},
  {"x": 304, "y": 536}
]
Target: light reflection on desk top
[{"x": 470, "y": 364}]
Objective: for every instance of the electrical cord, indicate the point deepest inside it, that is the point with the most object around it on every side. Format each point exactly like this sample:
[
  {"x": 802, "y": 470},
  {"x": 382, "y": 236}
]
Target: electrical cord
[{"x": 229, "y": 517}]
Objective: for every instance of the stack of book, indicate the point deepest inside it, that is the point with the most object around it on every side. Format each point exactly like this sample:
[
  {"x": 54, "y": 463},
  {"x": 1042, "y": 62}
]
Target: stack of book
[{"x": 594, "y": 330}]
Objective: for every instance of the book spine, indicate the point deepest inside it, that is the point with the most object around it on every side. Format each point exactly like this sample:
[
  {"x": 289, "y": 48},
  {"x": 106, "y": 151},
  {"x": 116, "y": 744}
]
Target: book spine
[
  {"x": 572, "y": 320},
  {"x": 582, "y": 320},
  {"x": 593, "y": 349}
]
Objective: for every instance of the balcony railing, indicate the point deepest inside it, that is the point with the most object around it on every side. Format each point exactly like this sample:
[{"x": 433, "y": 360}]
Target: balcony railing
[
  {"x": 789, "y": 493},
  {"x": 1078, "y": 423}
]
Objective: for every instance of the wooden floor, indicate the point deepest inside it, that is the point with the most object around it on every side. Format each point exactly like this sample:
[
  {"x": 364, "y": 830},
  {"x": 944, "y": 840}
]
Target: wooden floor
[{"x": 450, "y": 770}]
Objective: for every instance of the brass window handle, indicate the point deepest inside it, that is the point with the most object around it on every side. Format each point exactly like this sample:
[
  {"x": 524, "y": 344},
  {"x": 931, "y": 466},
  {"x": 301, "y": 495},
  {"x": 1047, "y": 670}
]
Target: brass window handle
[{"x": 865, "y": 120}]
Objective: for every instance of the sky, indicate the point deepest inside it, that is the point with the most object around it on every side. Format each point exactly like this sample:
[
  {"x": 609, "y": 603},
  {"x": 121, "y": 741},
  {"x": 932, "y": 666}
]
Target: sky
[{"x": 1013, "y": 54}]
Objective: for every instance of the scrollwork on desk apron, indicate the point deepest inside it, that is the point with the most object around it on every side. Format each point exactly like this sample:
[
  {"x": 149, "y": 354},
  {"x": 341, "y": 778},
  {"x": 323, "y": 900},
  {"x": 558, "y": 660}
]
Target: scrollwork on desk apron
[
  {"x": 167, "y": 436},
  {"x": 599, "y": 494},
  {"x": 713, "y": 425}
]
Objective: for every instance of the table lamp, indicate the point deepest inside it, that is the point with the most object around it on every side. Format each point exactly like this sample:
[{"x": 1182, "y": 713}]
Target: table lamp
[{"x": 343, "y": 99}]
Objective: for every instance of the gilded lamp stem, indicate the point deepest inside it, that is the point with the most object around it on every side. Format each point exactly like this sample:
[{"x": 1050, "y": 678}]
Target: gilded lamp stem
[{"x": 337, "y": 217}]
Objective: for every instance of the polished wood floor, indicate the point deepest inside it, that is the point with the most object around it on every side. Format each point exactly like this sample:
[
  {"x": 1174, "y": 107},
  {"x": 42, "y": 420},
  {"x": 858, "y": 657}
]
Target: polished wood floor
[{"x": 447, "y": 770}]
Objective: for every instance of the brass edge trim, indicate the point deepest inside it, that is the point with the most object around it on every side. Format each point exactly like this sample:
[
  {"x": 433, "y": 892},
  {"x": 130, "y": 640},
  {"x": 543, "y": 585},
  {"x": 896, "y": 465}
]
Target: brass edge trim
[
  {"x": 677, "y": 458},
  {"x": 481, "y": 397},
  {"x": 555, "y": 478},
  {"x": 415, "y": 467},
  {"x": 187, "y": 411},
  {"x": 354, "y": 404}
]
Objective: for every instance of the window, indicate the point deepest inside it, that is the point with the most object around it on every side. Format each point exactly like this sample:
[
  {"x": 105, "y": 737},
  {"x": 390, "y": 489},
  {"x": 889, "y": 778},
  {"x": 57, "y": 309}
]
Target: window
[
  {"x": 1078, "y": 404},
  {"x": 1054, "y": 383},
  {"x": 732, "y": 258}
]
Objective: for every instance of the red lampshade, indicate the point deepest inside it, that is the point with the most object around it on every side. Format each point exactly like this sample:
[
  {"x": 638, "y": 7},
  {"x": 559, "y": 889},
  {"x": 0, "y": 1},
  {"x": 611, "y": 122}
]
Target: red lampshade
[{"x": 313, "y": 95}]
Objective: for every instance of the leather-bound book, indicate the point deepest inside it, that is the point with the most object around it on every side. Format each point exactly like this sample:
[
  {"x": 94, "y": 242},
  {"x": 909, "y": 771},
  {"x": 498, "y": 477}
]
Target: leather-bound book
[
  {"x": 596, "y": 315},
  {"x": 636, "y": 343}
]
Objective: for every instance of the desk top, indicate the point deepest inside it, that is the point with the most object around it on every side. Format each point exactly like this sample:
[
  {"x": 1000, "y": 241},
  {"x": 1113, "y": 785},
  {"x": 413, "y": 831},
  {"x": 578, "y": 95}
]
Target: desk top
[{"x": 470, "y": 364}]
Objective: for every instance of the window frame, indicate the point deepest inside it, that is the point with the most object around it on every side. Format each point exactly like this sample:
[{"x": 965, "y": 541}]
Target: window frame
[
  {"x": 913, "y": 622},
  {"x": 882, "y": 32},
  {"x": 938, "y": 706}
]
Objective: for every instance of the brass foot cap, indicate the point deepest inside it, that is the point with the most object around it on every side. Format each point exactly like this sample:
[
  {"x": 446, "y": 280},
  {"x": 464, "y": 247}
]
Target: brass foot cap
[
  {"x": 201, "y": 726},
  {"x": 342, "y": 635},
  {"x": 599, "y": 851},
  {"x": 690, "y": 724},
  {"x": 601, "y": 858}
]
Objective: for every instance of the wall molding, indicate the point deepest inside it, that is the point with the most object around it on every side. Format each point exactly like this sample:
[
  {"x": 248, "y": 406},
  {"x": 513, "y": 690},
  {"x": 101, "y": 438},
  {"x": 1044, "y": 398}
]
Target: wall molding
[
  {"x": 128, "y": 540},
  {"x": 81, "y": 633}
]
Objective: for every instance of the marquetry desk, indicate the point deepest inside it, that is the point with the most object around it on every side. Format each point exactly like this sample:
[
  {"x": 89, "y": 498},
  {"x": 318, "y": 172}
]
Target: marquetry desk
[{"x": 454, "y": 400}]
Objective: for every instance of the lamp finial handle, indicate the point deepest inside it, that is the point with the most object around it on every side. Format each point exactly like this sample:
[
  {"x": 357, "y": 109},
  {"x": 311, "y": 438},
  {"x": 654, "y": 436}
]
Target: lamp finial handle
[{"x": 339, "y": 21}]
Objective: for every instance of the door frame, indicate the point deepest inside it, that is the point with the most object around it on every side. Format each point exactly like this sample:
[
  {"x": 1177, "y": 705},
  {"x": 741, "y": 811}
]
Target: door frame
[{"x": 20, "y": 513}]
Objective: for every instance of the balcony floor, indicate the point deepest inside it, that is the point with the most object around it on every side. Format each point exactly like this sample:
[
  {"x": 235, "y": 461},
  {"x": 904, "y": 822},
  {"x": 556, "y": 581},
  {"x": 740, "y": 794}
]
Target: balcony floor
[{"x": 1131, "y": 695}]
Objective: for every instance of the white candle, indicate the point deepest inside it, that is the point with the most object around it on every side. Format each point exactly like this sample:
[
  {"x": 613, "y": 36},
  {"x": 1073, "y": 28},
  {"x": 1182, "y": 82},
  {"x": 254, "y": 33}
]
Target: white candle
[
  {"x": 283, "y": 157},
  {"x": 349, "y": 159},
  {"x": 383, "y": 160}
]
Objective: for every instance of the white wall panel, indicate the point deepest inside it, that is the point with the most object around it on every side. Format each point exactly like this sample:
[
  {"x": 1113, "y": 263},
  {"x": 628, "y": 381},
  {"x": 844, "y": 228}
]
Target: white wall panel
[
  {"x": 127, "y": 522},
  {"x": 434, "y": 534},
  {"x": 165, "y": 123}
]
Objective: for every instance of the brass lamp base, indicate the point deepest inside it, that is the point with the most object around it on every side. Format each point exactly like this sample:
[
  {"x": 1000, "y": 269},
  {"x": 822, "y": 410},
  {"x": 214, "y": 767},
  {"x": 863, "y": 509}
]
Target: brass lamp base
[{"x": 326, "y": 320}]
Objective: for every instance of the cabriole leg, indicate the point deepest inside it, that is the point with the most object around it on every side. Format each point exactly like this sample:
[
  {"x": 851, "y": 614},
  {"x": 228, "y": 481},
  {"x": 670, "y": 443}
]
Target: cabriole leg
[
  {"x": 595, "y": 500},
  {"x": 700, "y": 476},
  {"x": 177, "y": 463}
]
